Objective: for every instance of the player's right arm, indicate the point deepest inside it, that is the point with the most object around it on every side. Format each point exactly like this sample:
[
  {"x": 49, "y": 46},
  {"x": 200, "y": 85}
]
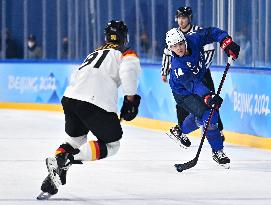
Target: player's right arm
[{"x": 213, "y": 34}]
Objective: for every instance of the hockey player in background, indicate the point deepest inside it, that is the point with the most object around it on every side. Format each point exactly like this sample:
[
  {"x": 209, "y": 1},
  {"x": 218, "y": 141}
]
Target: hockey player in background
[
  {"x": 90, "y": 104},
  {"x": 188, "y": 68},
  {"x": 184, "y": 19}
]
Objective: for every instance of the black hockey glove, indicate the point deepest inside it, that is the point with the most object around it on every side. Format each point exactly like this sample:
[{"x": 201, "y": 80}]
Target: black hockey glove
[
  {"x": 129, "y": 109},
  {"x": 213, "y": 101},
  {"x": 230, "y": 47}
]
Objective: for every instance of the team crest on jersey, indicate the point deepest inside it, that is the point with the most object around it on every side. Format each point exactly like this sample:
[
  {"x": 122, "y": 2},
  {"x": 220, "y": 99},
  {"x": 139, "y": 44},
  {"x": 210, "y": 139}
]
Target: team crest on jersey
[
  {"x": 178, "y": 72},
  {"x": 191, "y": 32}
]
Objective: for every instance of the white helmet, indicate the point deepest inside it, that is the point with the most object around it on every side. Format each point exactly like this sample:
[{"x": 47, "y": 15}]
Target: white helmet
[{"x": 174, "y": 36}]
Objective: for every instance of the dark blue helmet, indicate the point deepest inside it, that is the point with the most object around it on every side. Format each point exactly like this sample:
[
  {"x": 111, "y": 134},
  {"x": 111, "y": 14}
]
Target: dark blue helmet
[
  {"x": 184, "y": 11},
  {"x": 116, "y": 32}
]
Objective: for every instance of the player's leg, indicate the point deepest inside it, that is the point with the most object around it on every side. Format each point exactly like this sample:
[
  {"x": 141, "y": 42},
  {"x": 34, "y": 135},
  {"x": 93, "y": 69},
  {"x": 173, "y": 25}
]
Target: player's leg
[
  {"x": 76, "y": 131},
  {"x": 105, "y": 126},
  {"x": 175, "y": 132},
  {"x": 195, "y": 105},
  {"x": 58, "y": 166},
  {"x": 190, "y": 124},
  {"x": 190, "y": 104},
  {"x": 208, "y": 81},
  {"x": 214, "y": 138},
  {"x": 220, "y": 127},
  {"x": 181, "y": 114}
]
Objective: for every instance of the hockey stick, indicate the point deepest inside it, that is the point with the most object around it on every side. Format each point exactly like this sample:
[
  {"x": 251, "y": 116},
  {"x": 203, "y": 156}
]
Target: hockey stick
[{"x": 193, "y": 162}]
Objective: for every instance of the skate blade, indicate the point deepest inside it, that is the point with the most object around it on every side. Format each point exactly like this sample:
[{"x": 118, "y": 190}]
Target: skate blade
[
  {"x": 176, "y": 141},
  {"x": 225, "y": 166},
  {"x": 51, "y": 167},
  {"x": 44, "y": 196}
]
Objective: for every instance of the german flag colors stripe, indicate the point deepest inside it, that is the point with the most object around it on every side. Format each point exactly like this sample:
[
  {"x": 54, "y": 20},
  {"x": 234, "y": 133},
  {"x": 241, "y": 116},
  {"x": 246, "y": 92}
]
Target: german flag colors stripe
[
  {"x": 60, "y": 150},
  {"x": 129, "y": 53},
  {"x": 95, "y": 150}
]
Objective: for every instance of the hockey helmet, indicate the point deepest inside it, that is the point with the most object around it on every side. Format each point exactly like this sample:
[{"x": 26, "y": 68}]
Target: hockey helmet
[
  {"x": 184, "y": 11},
  {"x": 175, "y": 36},
  {"x": 116, "y": 32}
]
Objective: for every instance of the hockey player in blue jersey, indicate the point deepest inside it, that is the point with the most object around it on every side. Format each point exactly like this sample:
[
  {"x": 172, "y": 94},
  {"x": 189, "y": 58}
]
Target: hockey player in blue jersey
[
  {"x": 186, "y": 81},
  {"x": 183, "y": 17}
]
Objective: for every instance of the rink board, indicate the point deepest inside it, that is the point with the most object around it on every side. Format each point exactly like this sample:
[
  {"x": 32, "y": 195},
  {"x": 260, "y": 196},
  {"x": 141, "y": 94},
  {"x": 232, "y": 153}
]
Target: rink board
[{"x": 245, "y": 111}]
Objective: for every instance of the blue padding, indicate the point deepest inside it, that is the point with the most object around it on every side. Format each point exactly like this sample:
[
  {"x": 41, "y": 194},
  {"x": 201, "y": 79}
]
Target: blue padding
[{"x": 246, "y": 94}]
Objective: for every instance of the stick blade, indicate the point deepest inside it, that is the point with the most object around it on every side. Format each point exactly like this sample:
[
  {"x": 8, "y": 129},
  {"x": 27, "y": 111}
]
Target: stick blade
[{"x": 185, "y": 166}]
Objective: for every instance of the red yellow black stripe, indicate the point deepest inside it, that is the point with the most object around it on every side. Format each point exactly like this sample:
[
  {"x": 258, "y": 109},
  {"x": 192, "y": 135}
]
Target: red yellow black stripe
[
  {"x": 129, "y": 53},
  {"x": 95, "y": 149},
  {"x": 60, "y": 150}
]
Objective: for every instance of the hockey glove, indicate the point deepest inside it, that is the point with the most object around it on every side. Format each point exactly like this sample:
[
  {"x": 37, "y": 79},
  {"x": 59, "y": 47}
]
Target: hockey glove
[
  {"x": 213, "y": 101},
  {"x": 129, "y": 109},
  {"x": 230, "y": 47}
]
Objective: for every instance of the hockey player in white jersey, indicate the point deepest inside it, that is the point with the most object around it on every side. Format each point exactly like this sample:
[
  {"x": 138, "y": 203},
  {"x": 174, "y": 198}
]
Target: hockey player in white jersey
[
  {"x": 90, "y": 104},
  {"x": 184, "y": 19}
]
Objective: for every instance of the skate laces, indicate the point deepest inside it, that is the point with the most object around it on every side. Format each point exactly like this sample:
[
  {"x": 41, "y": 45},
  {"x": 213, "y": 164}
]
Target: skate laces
[
  {"x": 66, "y": 166},
  {"x": 176, "y": 131},
  {"x": 220, "y": 154}
]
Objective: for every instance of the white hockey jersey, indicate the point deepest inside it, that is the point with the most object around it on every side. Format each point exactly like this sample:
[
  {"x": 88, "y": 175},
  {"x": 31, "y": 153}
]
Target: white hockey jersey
[{"x": 97, "y": 80}]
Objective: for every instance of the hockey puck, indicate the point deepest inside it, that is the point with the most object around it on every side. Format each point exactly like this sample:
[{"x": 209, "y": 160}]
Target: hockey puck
[{"x": 178, "y": 167}]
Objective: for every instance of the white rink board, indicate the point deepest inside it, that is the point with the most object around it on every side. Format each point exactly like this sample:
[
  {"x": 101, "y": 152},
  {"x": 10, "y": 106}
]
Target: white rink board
[{"x": 141, "y": 173}]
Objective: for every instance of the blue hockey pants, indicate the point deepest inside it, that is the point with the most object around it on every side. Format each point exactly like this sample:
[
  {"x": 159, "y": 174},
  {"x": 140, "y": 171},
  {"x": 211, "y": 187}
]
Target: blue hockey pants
[{"x": 198, "y": 116}]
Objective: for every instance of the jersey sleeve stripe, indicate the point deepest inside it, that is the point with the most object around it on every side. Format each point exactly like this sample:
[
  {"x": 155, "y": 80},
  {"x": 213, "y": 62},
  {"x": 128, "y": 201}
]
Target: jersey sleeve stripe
[{"x": 129, "y": 53}]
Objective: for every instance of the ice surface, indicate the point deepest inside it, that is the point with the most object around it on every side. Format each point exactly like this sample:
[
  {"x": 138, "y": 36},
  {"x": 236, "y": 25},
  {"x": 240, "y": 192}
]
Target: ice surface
[{"x": 141, "y": 173}]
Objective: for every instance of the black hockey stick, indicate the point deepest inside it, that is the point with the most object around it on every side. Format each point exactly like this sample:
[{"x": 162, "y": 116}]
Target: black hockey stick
[{"x": 193, "y": 162}]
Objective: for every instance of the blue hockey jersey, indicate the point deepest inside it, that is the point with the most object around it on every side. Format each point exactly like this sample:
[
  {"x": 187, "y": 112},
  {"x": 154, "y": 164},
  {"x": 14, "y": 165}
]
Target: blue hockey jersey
[{"x": 187, "y": 72}]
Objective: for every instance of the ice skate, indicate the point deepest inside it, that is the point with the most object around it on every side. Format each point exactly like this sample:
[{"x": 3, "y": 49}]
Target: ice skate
[
  {"x": 54, "y": 171},
  {"x": 57, "y": 168},
  {"x": 176, "y": 134},
  {"x": 55, "y": 178},
  {"x": 47, "y": 189},
  {"x": 221, "y": 158}
]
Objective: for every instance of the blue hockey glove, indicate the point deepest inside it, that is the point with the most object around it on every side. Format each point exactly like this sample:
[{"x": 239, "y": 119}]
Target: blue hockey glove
[
  {"x": 129, "y": 109},
  {"x": 213, "y": 101}
]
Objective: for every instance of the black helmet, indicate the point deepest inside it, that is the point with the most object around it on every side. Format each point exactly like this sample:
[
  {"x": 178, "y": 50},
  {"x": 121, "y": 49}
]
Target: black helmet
[
  {"x": 116, "y": 32},
  {"x": 183, "y": 11}
]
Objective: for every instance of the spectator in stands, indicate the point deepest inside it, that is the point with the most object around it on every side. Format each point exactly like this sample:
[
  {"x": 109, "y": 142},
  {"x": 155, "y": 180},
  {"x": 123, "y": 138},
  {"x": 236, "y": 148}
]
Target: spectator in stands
[
  {"x": 11, "y": 46},
  {"x": 144, "y": 43},
  {"x": 246, "y": 54},
  {"x": 34, "y": 51},
  {"x": 65, "y": 48}
]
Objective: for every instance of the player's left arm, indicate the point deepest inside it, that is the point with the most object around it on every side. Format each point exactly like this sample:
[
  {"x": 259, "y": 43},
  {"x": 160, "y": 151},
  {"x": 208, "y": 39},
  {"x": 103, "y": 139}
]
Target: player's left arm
[{"x": 129, "y": 74}]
